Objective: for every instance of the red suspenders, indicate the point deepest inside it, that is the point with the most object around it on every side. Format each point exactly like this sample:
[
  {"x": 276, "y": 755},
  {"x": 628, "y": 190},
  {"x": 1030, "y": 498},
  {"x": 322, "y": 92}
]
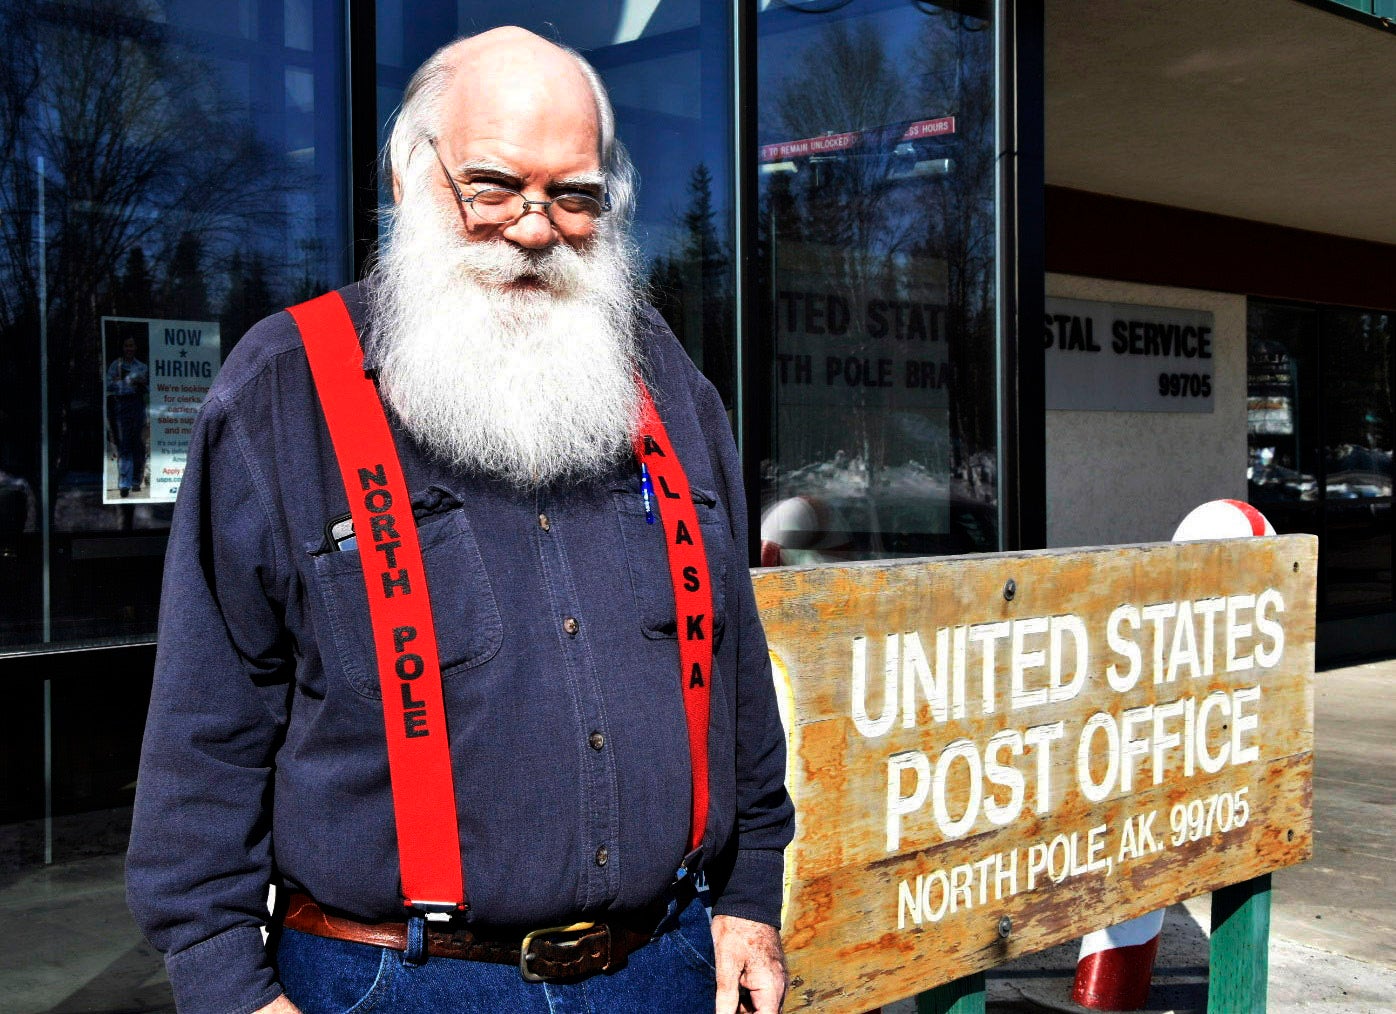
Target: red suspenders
[
  {"x": 409, "y": 672},
  {"x": 693, "y": 597},
  {"x": 399, "y": 607}
]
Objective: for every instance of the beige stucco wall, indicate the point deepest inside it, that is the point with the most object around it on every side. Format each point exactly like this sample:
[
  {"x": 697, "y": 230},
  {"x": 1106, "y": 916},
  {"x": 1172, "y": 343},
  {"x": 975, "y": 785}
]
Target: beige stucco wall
[{"x": 1117, "y": 477}]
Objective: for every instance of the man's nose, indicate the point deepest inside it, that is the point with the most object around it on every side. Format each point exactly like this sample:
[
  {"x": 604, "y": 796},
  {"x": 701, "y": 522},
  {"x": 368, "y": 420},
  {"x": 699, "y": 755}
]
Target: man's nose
[{"x": 533, "y": 230}]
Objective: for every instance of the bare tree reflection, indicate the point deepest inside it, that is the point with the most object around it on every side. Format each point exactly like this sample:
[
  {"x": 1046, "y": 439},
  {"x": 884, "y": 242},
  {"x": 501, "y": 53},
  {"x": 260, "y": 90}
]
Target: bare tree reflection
[
  {"x": 134, "y": 183},
  {"x": 881, "y": 216},
  {"x": 143, "y": 161}
]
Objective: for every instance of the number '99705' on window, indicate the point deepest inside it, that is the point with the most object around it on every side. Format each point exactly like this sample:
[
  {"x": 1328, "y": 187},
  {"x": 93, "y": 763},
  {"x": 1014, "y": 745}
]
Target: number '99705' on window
[{"x": 1185, "y": 385}]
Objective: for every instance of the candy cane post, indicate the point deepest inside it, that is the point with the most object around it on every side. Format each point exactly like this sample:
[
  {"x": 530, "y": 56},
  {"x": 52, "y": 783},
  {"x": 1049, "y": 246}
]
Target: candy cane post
[
  {"x": 1116, "y": 965},
  {"x": 1222, "y": 519}
]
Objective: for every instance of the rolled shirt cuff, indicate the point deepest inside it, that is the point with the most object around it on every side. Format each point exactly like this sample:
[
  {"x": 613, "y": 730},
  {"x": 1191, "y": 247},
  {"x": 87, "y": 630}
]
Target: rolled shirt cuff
[
  {"x": 226, "y": 974},
  {"x": 754, "y": 888}
]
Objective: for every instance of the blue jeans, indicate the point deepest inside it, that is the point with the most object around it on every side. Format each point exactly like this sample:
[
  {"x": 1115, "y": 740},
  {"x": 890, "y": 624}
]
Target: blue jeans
[{"x": 673, "y": 973}]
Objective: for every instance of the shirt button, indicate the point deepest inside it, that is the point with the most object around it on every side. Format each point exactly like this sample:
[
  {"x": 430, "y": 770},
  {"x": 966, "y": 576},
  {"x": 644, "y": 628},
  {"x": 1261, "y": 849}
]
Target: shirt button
[
  {"x": 602, "y": 856},
  {"x": 571, "y": 625},
  {"x": 596, "y": 740},
  {"x": 544, "y": 523}
]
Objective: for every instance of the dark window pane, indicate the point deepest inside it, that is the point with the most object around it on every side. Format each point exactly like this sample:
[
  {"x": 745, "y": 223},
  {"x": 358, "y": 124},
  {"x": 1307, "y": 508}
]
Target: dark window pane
[
  {"x": 1320, "y": 435},
  {"x": 172, "y": 173},
  {"x": 877, "y": 219},
  {"x": 1281, "y": 424},
  {"x": 1357, "y": 552},
  {"x": 1357, "y": 445}
]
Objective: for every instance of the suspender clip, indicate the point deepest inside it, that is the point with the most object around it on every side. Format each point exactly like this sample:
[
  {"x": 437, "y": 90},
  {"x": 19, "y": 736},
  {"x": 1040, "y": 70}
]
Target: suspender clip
[
  {"x": 437, "y": 911},
  {"x": 689, "y": 865}
]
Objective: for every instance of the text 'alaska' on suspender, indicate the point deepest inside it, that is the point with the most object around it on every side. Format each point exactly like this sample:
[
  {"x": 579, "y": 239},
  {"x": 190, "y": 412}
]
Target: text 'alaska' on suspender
[
  {"x": 664, "y": 480},
  {"x": 404, "y": 635}
]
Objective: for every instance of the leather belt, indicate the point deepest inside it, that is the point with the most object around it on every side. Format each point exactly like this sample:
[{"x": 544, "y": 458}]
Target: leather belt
[{"x": 557, "y": 952}]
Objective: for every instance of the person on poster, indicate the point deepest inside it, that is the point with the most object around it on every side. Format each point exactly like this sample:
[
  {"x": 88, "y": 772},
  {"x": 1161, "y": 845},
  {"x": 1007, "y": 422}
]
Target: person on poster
[
  {"x": 128, "y": 385},
  {"x": 504, "y": 329}
]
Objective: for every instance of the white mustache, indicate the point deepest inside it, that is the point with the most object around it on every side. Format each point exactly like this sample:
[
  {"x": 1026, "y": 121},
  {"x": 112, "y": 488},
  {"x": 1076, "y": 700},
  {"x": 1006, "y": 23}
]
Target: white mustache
[{"x": 499, "y": 264}]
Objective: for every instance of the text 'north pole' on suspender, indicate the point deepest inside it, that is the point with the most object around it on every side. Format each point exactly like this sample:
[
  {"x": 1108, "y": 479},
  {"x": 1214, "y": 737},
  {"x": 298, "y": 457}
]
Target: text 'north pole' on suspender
[{"x": 404, "y": 635}]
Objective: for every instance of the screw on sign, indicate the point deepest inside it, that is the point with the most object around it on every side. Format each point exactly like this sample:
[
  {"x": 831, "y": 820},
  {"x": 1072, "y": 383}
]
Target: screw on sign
[{"x": 1116, "y": 965}]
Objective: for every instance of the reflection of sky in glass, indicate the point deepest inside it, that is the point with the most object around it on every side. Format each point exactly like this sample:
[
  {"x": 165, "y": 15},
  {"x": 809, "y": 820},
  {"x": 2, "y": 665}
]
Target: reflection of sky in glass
[
  {"x": 300, "y": 109},
  {"x": 284, "y": 119},
  {"x": 299, "y": 29},
  {"x": 236, "y": 18}
]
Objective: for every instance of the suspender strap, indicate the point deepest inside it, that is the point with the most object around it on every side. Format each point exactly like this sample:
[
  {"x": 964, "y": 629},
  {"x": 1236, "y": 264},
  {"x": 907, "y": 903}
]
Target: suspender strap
[
  {"x": 404, "y": 636},
  {"x": 693, "y": 595}
]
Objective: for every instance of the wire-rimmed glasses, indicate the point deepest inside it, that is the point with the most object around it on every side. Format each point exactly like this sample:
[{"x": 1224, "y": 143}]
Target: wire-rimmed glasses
[{"x": 571, "y": 213}]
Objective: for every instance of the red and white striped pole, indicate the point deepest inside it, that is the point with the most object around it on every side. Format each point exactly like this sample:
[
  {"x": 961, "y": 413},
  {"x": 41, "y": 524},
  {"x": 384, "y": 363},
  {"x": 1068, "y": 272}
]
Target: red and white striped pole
[
  {"x": 1116, "y": 965},
  {"x": 1222, "y": 519}
]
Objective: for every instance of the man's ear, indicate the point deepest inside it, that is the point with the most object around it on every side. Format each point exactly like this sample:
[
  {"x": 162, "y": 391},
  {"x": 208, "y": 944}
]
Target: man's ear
[{"x": 397, "y": 189}]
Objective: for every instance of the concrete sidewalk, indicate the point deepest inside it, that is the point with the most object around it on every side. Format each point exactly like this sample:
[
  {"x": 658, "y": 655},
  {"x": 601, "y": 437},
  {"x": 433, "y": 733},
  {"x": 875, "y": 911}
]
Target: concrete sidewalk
[{"x": 1333, "y": 919}]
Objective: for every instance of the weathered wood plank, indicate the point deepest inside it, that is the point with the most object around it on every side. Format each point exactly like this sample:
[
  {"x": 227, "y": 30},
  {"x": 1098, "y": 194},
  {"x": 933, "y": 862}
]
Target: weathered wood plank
[{"x": 936, "y": 728}]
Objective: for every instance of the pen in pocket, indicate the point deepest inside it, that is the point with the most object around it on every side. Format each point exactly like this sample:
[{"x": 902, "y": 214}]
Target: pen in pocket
[{"x": 647, "y": 493}]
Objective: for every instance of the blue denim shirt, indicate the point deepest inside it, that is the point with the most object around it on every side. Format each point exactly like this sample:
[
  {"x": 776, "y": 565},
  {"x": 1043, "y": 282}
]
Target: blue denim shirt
[{"x": 264, "y": 755}]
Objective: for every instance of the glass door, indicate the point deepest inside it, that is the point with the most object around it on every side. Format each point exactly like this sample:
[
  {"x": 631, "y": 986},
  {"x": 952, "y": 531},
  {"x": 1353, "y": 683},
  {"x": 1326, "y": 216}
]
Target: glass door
[
  {"x": 1319, "y": 430},
  {"x": 877, "y": 239}
]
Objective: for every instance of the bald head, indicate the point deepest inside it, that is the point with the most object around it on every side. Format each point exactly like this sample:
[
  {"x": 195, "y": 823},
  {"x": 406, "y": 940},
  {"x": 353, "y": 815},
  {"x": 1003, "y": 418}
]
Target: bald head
[
  {"x": 511, "y": 74},
  {"x": 512, "y": 90}
]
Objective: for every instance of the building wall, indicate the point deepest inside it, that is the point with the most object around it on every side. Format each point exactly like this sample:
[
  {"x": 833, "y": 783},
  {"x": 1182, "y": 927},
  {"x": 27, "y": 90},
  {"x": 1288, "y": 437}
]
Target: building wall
[{"x": 1115, "y": 477}]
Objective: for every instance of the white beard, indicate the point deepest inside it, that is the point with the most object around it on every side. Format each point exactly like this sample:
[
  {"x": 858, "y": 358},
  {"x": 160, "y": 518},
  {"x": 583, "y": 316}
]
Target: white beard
[{"x": 534, "y": 386}]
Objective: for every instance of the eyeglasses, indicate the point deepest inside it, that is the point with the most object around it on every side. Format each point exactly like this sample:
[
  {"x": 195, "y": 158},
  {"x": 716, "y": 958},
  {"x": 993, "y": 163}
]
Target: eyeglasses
[{"x": 571, "y": 213}]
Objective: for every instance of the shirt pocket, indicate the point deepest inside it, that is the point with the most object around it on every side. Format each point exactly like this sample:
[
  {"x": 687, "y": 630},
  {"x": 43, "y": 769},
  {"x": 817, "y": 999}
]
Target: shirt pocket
[
  {"x": 647, "y": 559},
  {"x": 468, "y": 628}
]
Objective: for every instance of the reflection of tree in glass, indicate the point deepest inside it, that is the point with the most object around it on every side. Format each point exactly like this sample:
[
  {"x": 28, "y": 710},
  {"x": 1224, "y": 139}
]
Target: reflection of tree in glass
[
  {"x": 832, "y": 219},
  {"x": 845, "y": 82},
  {"x": 884, "y": 218},
  {"x": 136, "y": 285},
  {"x": 250, "y": 296},
  {"x": 142, "y": 158},
  {"x": 186, "y": 292},
  {"x": 954, "y": 71},
  {"x": 691, "y": 286}
]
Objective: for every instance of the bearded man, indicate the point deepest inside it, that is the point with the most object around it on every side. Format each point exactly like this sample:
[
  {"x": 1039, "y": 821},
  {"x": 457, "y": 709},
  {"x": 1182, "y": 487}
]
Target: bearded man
[{"x": 605, "y": 730}]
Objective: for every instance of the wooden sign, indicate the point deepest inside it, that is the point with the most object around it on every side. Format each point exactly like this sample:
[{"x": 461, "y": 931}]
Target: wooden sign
[{"x": 992, "y": 755}]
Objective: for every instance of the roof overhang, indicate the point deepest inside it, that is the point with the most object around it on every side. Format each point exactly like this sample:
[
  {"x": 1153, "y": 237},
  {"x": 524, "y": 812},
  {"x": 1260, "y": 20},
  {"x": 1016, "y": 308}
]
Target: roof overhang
[{"x": 1269, "y": 110}]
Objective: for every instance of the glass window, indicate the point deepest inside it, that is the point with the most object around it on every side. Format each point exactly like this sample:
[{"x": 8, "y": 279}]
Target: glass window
[
  {"x": 1320, "y": 434},
  {"x": 877, "y": 238},
  {"x": 172, "y": 172},
  {"x": 1281, "y": 425},
  {"x": 1357, "y": 444},
  {"x": 667, "y": 65}
]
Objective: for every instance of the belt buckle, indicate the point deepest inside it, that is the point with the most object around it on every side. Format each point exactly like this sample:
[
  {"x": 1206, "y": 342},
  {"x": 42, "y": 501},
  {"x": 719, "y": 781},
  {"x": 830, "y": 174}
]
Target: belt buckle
[{"x": 576, "y": 927}]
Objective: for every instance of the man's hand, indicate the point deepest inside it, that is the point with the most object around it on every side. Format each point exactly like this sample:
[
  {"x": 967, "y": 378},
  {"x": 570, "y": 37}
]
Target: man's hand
[
  {"x": 279, "y": 1006},
  {"x": 751, "y": 976}
]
